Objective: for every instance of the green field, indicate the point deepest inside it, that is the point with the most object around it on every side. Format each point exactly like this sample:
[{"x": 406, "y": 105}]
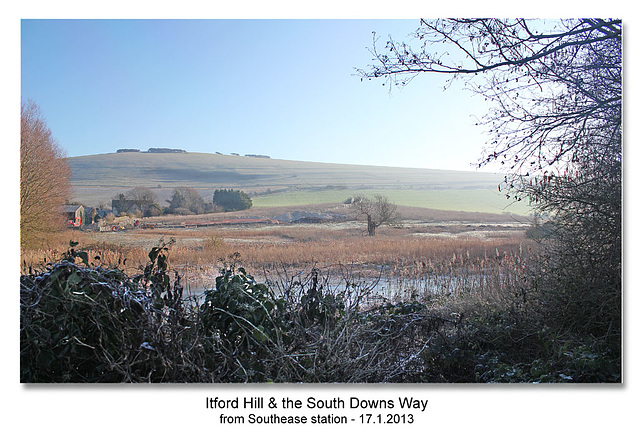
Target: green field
[
  {"x": 451, "y": 200},
  {"x": 96, "y": 179}
]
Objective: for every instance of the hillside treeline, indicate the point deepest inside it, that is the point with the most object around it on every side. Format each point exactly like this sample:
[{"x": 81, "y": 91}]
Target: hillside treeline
[
  {"x": 154, "y": 150},
  {"x": 143, "y": 202}
]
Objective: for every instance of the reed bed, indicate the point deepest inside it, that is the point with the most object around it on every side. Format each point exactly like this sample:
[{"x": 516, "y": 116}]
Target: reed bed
[
  {"x": 400, "y": 306},
  {"x": 397, "y": 265}
]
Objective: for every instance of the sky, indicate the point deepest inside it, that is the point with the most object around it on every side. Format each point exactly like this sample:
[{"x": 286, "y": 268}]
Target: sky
[{"x": 283, "y": 88}]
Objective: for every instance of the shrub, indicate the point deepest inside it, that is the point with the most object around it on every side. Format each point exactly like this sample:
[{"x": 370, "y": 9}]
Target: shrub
[
  {"x": 153, "y": 210},
  {"x": 179, "y": 211},
  {"x": 240, "y": 319},
  {"x": 81, "y": 323}
]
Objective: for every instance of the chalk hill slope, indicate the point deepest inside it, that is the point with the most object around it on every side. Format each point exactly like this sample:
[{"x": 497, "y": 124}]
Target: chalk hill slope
[{"x": 98, "y": 178}]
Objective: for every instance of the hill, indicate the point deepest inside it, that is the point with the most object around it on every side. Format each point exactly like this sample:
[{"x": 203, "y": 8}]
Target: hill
[{"x": 272, "y": 182}]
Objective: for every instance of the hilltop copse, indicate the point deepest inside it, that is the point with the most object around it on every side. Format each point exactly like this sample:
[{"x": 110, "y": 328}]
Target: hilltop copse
[{"x": 153, "y": 151}]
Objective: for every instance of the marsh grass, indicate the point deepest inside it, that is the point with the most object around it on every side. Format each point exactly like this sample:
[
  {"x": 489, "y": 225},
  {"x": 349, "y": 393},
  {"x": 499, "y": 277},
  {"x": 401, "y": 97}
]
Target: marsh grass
[{"x": 445, "y": 263}]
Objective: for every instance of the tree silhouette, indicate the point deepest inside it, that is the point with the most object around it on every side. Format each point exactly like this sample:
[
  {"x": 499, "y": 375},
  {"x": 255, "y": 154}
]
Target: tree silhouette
[
  {"x": 378, "y": 211},
  {"x": 554, "y": 96}
]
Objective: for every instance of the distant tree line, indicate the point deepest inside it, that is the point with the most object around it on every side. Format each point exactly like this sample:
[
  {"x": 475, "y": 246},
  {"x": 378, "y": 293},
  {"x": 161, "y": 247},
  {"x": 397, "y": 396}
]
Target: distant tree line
[
  {"x": 154, "y": 150},
  {"x": 143, "y": 202},
  {"x": 180, "y": 151},
  {"x": 257, "y": 156},
  {"x": 166, "y": 150}
]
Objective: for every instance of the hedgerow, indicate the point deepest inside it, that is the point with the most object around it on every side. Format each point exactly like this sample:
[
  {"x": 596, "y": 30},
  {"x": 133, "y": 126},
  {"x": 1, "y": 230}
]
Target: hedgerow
[{"x": 85, "y": 323}]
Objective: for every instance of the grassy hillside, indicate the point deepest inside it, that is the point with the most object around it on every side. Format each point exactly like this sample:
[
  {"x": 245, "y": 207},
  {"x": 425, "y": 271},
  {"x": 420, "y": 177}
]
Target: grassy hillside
[{"x": 97, "y": 178}]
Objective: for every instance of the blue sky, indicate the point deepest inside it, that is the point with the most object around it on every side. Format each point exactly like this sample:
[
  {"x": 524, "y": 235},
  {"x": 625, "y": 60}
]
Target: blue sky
[{"x": 285, "y": 88}]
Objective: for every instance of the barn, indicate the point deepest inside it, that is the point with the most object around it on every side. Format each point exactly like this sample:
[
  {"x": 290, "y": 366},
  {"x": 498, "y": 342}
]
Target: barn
[{"x": 74, "y": 215}]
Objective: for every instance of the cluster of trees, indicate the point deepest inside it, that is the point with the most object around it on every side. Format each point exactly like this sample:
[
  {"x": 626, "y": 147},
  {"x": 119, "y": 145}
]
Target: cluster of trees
[
  {"x": 231, "y": 200},
  {"x": 142, "y": 201},
  {"x": 256, "y": 155},
  {"x": 154, "y": 150},
  {"x": 139, "y": 201},
  {"x": 554, "y": 90},
  {"x": 166, "y": 151},
  {"x": 186, "y": 200}
]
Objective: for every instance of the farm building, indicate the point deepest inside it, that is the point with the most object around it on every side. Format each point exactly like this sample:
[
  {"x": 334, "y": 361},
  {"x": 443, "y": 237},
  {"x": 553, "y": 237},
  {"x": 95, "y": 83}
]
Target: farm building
[
  {"x": 74, "y": 215},
  {"x": 90, "y": 214},
  {"x": 103, "y": 214}
]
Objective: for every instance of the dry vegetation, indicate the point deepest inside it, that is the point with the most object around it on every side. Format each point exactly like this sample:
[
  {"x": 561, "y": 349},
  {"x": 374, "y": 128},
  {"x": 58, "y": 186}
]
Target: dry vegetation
[
  {"x": 413, "y": 251},
  {"x": 351, "y": 308},
  {"x": 428, "y": 301}
]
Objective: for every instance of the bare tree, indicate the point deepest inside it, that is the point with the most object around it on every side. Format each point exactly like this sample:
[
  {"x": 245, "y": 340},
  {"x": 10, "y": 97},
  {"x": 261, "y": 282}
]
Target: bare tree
[
  {"x": 142, "y": 195},
  {"x": 554, "y": 95},
  {"x": 551, "y": 91},
  {"x": 145, "y": 199},
  {"x": 44, "y": 178},
  {"x": 378, "y": 211},
  {"x": 186, "y": 200}
]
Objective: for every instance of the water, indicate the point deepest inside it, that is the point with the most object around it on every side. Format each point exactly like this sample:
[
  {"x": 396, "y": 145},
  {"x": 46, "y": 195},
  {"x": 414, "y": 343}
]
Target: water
[{"x": 385, "y": 286}]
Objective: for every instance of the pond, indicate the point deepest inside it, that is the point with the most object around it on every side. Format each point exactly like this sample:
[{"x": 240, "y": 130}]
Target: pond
[{"x": 379, "y": 285}]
